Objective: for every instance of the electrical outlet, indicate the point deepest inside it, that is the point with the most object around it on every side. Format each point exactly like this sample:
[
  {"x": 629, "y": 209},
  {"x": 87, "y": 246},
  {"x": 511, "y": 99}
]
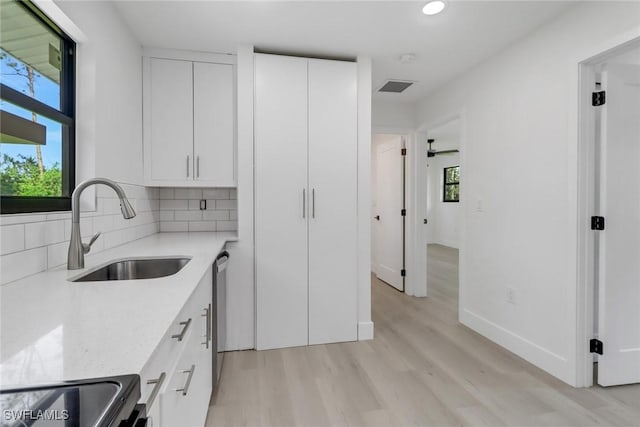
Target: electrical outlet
[{"x": 511, "y": 295}]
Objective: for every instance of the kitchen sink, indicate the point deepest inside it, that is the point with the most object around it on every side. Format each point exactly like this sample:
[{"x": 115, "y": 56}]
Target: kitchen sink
[{"x": 135, "y": 268}]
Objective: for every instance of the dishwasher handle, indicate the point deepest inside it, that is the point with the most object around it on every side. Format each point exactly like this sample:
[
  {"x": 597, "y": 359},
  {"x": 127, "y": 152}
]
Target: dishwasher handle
[{"x": 221, "y": 261}]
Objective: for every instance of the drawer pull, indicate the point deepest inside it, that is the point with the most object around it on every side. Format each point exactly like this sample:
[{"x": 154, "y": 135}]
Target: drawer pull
[
  {"x": 185, "y": 389},
  {"x": 185, "y": 326},
  {"x": 207, "y": 316},
  {"x": 158, "y": 384}
]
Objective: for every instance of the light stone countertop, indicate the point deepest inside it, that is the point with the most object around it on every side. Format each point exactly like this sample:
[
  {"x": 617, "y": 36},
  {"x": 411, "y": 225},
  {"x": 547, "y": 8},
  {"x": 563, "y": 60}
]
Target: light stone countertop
[{"x": 52, "y": 329}]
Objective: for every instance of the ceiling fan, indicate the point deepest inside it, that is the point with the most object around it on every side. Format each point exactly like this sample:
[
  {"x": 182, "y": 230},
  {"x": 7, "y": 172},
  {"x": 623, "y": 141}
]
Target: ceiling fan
[{"x": 432, "y": 153}]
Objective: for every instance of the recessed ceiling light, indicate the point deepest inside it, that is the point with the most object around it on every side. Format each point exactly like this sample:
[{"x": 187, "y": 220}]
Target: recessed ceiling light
[{"x": 433, "y": 7}]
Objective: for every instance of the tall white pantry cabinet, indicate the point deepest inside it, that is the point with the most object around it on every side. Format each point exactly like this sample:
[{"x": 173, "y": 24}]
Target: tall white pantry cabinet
[{"x": 305, "y": 200}]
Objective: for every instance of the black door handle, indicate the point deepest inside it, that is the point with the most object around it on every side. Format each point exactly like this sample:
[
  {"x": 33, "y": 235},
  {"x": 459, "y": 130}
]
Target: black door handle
[{"x": 377, "y": 217}]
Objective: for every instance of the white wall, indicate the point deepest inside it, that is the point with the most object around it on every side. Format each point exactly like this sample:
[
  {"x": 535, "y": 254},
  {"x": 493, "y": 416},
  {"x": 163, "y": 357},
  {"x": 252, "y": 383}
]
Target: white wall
[
  {"x": 515, "y": 197},
  {"x": 109, "y": 93},
  {"x": 443, "y": 218},
  {"x": 392, "y": 116}
]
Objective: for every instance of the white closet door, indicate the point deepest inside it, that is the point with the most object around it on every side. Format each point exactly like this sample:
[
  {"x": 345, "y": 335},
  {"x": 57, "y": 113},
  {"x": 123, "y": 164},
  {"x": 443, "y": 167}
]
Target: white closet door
[
  {"x": 171, "y": 119},
  {"x": 619, "y": 263},
  {"x": 280, "y": 210},
  {"x": 333, "y": 203},
  {"x": 213, "y": 117}
]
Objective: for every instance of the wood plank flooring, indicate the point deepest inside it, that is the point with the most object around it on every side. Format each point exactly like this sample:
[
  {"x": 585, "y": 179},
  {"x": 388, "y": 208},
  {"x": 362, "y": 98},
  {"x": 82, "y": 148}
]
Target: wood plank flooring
[{"x": 422, "y": 369}]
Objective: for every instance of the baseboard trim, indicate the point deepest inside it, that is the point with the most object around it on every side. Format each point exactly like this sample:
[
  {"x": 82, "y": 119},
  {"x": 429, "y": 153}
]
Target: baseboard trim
[
  {"x": 365, "y": 331},
  {"x": 556, "y": 365}
]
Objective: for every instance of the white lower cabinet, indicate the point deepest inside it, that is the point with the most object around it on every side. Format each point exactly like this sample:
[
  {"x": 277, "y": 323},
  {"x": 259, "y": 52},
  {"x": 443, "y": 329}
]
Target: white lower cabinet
[{"x": 176, "y": 382}]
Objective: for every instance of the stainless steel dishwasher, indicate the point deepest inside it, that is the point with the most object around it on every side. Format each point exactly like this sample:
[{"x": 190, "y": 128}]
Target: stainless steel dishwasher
[{"x": 219, "y": 317}]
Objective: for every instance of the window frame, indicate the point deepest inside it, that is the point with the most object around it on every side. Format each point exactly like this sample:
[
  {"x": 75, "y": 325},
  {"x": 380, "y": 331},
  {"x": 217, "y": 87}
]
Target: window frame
[
  {"x": 65, "y": 116},
  {"x": 446, "y": 184}
]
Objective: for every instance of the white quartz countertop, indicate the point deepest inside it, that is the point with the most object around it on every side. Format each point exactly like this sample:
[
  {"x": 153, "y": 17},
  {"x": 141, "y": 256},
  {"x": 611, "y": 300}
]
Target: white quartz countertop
[{"x": 52, "y": 329}]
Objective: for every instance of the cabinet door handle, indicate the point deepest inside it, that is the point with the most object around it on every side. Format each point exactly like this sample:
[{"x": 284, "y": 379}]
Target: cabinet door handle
[
  {"x": 185, "y": 388},
  {"x": 185, "y": 326},
  {"x": 158, "y": 384},
  {"x": 187, "y": 166},
  {"x": 207, "y": 316},
  {"x": 198, "y": 167},
  {"x": 304, "y": 203},
  {"x": 313, "y": 203}
]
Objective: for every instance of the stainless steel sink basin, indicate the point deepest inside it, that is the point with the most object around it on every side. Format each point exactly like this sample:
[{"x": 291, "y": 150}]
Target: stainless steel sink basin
[{"x": 131, "y": 269}]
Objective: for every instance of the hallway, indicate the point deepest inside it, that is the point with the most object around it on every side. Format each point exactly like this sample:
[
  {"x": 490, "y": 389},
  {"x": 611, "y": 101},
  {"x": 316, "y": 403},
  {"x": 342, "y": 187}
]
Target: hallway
[{"x": 423, "y": 369}]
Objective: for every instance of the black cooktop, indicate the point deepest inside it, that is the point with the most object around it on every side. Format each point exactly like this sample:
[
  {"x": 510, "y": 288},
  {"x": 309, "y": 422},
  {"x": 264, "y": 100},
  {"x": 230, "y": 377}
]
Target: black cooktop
[{"x": 96, "y": 402}]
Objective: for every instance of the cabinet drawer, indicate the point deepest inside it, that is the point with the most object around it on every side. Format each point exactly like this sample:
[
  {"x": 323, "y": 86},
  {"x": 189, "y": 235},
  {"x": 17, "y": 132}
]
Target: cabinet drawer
[{"x": 185, "y": 400}]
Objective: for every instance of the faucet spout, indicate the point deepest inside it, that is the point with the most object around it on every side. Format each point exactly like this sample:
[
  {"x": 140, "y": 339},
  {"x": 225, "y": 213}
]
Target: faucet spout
[{"x": 77, "y": 249}]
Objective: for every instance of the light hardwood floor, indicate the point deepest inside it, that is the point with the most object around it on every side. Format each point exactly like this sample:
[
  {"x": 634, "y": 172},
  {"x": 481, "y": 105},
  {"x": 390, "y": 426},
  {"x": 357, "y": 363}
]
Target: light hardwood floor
[{"x": 422, "y": 369}]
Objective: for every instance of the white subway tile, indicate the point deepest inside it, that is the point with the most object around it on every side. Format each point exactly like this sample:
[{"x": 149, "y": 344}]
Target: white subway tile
[
  {"x": 9, "y": 219},
  {"x": 22, "y": 264},
  {"x": 166, "y": 216},
  {"x": 233, "y": 215},
  {"x": 226, "y": 204},
  {"x": 215, "y": 193},
  {"x": 12, "y": 237},
  {"x": 166, "y": 193},
  {"x": 54, "y": 232},
  {"x": 103, "y": 223},
  {"x": 187, "y": 193},
  {"x": 166, "y": 205},
  {"x": 215, "y": 215},
  {"x": 188, "y": 215},
  {"x": 194, "y": 205},
  {"x": 174, "y": 226},
  {"x": 113, "y": 238},
  {"x": 57, "y": 254},
  {"x": 233, "y": 193},
  {"x": 202, "y": 226},
  {"x": 34, "y": 235},
  {"x": 226, "y": 225},
  {"x": 58, "y": 216}
]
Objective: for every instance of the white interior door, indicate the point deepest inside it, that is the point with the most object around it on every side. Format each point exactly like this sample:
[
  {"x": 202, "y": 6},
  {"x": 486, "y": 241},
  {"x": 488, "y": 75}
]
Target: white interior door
[
  {"x": 333, "y": 168},
  {"x": 281, "y": 195},
  {"x": 389, "y": 188},
  {"x": 213, "y": 118},
  {"x": 619, "y": 264},
  {"x": 171, "y": 119}
]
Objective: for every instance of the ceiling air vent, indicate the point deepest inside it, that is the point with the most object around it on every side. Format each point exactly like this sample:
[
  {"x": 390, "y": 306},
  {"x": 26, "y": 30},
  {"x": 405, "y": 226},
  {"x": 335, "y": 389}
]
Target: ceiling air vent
[{"x": 395, "y": 86}]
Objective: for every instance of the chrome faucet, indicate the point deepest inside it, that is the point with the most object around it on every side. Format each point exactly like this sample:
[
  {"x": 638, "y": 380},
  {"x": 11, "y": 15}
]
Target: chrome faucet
[{"x": 77, "y": 249}]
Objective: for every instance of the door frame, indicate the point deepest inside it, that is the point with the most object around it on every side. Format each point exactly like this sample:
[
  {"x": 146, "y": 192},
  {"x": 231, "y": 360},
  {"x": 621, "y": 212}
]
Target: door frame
[
  {"x": 416, "y": 279},
  {"x": 582, "y": 167}
]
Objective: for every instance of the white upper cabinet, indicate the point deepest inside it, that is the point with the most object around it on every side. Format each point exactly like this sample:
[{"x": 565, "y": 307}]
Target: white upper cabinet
[{"x": 189, "y": 120}]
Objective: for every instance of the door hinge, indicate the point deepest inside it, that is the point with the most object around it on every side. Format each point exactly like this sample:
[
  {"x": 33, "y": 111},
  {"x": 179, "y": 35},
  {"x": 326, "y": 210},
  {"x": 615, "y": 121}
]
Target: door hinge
[
  {"x": 403, "y": 272},
  {"x": 403, "y": 212},
  {"x": 595, "y": 346},
  {"x": 403, "y": 151},
  {"x": 598, "y": 98},
  {"x": 597, "y": 223}
]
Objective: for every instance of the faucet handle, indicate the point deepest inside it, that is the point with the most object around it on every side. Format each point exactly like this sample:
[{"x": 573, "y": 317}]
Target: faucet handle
[{"x": 86, "y": 247}]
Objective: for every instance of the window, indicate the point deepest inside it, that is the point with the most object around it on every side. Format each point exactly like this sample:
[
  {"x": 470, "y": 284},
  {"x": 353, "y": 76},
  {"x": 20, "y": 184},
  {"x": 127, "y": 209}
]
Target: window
[
  {"x": 37, "y": 148},
  {"x": 451, "y": 192}
]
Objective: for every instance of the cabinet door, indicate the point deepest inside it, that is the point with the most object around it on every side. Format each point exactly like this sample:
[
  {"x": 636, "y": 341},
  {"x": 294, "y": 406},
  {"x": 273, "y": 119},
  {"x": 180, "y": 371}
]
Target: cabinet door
[
  {"x": 213, "y": 118},
  {"x": 333, "y": 170},
  {"x": 171, "y": 104},
  {"x": 280, "y": 207}
]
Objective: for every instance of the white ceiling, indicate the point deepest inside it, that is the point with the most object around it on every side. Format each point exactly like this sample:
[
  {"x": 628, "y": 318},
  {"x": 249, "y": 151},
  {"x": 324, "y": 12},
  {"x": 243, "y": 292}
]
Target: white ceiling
[{"x": 446, "y": 45}]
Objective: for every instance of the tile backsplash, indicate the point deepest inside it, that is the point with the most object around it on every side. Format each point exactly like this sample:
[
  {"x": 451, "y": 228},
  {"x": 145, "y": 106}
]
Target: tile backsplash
[
  {"x": 198, "y": 209},
  {"x": 31, "y": 243}
]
